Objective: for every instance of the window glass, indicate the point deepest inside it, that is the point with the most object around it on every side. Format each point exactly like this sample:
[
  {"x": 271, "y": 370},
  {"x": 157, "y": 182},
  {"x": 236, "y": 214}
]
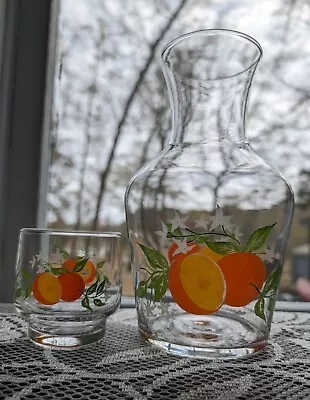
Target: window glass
[{"x": 111, "y": 114}]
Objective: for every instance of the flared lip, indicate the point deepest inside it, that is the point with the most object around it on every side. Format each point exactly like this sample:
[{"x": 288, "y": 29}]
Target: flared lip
[
  {"x": 66, "y": 232},
  {"x": 209, "y": 32}
]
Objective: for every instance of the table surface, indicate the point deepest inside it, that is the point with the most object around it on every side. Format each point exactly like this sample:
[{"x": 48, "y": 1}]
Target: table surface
[{"x": 122, "y": 366}]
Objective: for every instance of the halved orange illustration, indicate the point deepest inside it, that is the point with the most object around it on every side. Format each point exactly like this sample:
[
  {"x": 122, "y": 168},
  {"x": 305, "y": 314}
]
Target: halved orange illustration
[
  {"x": 193, "y": 248},
  {"x": 46, "y": 288},
  {"x": 88, "y": 273},
  {"x": 206, "y": 251},
  {"x": 197, "y": 284}
]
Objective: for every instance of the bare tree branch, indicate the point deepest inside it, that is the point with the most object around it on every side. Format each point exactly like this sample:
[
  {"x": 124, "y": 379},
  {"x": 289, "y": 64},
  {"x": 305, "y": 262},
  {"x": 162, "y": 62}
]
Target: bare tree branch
[
  {"x": 90, "y": 103},
  {"x": 132, "y": 94}
]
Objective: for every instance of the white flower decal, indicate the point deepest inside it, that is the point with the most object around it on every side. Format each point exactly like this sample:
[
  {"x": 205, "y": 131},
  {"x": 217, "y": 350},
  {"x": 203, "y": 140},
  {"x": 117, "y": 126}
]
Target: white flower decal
[
  {"x": 178, "y": 221},
  {"x": 202, "y": 222},
  {"x": 163, "y": 233},
  {"x": 36, "y": 263},
  {"x": 33, "y": 262},
  {"x": 183, "y": 247},
  {"x": 219, "y": 219},
  {"x": 269, "y": 254},
  {"x": 57, "y": 257}
]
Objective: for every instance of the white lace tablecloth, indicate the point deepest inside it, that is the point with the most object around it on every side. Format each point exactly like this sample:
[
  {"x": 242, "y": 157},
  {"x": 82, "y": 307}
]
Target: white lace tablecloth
[{"x": 122, "y": 366}]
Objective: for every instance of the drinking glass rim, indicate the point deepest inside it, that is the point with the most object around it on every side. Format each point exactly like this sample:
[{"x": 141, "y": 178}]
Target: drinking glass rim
[
  {"x": 66, "y": 232},
  {"x": 209, "y": 32}
]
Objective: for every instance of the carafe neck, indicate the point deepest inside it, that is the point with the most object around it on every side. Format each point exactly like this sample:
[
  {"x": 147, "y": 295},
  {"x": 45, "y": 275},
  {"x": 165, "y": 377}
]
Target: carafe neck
[
  {"x": 204, "y": 112},
  {"x": 208, "y": 75}
]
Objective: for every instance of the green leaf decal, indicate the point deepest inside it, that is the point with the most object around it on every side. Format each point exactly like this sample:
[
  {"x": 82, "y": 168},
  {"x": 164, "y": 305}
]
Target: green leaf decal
[
  {"x": 80, "y": 265},
  {"x": 258, "y": 238},
  {"x": 58, "y": 271},
  {"x": 98, "y": 303},
  {"x": 153, "y": 279},
  {"x": 160, "y": 287},
  {"x": 107, "y": 280},
  {"x": 269, "y": 290},
  {"x": 100, "y": 264},
  {"x": 201, "y": 239},
  {"x": 141, "y": 289},
  {"x": 176, "y": 232},
  {"x": 28, "y": 292},
  {"x": 18, "y": 293},
  {"x": 101, "y": 287},
  {"x": 92, "y": 288},
  {"x": 272, "y": 282},
  {"x": 157, "y": 261},
  {"x": 65, "y": 254},
  {"x": 259, "y": 308},
  {"x": 85, "y": 303},
  {"x": 26, "y": 274},
  {"x": 223, "y": 247}
]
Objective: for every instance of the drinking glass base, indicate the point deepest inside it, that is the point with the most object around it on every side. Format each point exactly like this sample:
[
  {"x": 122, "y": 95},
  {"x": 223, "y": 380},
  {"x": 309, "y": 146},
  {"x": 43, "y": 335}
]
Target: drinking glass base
[
  {"x": 66, "y": 339},
  {"x": 216, "y": 337}
]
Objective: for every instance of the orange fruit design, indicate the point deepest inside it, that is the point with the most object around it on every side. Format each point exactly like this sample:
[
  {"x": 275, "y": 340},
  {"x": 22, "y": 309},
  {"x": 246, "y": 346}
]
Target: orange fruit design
[
  {"x": 88, "y": 273},
  {"x": 46, "y": 288},
  {"x": 180, "y": 256},
  {"x": 72, "y": 285},
  {"x": 197, "y": 284},
  {"x": 206, "y": 251},
  {"x": 178, "y": 293},
  {"x": 241, "y": 271}
]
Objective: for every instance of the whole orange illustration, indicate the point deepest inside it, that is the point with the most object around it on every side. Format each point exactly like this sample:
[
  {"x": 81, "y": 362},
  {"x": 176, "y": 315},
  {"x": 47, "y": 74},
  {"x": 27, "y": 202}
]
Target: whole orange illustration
[{"x": 244, "y": 273}]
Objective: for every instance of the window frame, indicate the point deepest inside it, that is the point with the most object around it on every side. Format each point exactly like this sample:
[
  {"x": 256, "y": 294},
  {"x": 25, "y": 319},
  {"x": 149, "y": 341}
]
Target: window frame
[{"x": 24, "y": 100}]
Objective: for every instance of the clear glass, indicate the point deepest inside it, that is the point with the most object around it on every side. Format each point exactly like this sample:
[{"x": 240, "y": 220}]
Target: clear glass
[
  {"x": 208, "y": 219},
  {"x": 67, "y": 284}
]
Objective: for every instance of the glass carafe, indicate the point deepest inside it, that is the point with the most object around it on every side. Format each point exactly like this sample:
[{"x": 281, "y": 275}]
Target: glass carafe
[{"x": 208, "y": 219}]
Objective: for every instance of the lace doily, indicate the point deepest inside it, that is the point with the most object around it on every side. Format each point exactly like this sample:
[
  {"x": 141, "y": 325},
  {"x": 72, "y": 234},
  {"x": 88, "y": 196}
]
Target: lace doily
[{"x": 122, "y": 366}]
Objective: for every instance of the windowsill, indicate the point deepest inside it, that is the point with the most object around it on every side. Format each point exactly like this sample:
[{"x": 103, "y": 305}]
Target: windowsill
[
  {"x": 294, "y": 306},
  {"x": 129, "y": 302}
]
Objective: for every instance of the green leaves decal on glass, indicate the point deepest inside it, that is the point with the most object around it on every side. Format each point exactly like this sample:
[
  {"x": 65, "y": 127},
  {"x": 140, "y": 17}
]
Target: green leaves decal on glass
[
  {"x": 98, "y": 303},
  {"x": 156, "y": 261},
  {"x": 223, "y": 247},
  {"x": 258, "y": 238},
  {"x": 157, "y": 269},
  {"x": 80, "y": 265},
  {"x": 23, "y": 292},
  {"x": 101, "y": 287},
  {"x": 259, "y": 308},
  {"x": 100, "y": 264},
  {"x": 85, "y": 303},
  {"x": 92, "y": 288},
  {"x": 160, "y": 286},
  {"x": 268, "y": 291},
  {"x": 141, "y": 289},
  {"x": 65, "y": 254},
  {"x": 96, "y": 290},
  {"x": 58, "y": 271}
]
